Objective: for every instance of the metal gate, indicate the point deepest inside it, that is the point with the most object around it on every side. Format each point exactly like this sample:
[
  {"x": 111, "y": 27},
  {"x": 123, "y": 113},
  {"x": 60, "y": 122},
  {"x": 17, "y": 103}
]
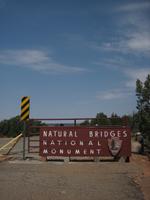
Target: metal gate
[
  {"x": 110, "y": 137},
  {"x": 33, "y": 131}
]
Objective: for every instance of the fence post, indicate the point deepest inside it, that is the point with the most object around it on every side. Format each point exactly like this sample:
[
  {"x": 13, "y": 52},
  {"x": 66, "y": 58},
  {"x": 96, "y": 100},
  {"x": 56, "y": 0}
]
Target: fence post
[{"x": 24, "y": 140}]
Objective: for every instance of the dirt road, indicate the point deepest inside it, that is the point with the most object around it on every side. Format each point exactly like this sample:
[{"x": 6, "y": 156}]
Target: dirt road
[
  {"x": 38, "y": 180},
  {"x": 29, "y": 180}
]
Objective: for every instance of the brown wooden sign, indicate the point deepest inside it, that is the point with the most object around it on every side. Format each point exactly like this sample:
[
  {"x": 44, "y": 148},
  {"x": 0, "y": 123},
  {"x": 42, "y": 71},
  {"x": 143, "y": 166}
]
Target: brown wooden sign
[{"x": 85, "y": 141}]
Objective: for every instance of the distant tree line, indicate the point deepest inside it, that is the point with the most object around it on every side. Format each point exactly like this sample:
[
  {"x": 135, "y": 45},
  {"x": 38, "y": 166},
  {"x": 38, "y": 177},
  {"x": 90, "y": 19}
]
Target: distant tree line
[
  {"x": 13, "y": 126},
  {"x": 102, "y": 119}
]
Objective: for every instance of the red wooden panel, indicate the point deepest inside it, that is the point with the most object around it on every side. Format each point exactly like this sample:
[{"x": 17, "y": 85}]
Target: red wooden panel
[{"x": 85, "y": 141}]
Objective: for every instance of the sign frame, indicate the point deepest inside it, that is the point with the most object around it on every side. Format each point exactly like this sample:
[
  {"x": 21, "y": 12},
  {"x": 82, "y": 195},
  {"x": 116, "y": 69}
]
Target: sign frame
[{"x": 52, "y": 144}]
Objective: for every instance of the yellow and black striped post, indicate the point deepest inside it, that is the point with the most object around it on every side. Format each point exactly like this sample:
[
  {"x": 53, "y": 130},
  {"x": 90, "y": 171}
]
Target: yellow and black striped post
[
  {"x": 25, "y": 113},
  {"x": 25, "y": 108}
]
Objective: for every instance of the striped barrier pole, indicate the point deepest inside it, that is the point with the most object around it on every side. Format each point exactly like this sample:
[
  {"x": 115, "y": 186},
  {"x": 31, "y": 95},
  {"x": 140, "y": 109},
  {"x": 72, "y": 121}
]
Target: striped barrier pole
[{"x": 25, "y": 112}]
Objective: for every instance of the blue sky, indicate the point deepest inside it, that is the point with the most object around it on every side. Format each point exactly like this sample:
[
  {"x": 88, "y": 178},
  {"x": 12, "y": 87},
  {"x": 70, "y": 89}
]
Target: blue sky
[{"x": 74, "y": 58}]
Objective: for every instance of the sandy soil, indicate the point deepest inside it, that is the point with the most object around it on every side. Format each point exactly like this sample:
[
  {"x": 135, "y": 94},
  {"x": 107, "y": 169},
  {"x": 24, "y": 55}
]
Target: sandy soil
[{"x": 143, "y": 176}]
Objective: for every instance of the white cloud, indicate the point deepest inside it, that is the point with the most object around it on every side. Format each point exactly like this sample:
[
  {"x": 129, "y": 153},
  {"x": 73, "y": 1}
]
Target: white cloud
[
  {"x": 135, "y": 29},
  {"x": 133, "y": 42},
  {"x": 114, "y": 63},
  {"x": 130, "y": 69},
  {"x": 131, "y": 38},
  {"x": 139, "y": 42},
  {"x": 134, "y": 74},
  {"x": 105, "y": 46},
  {"x": 132, "y": 33},
  {"x": 23, "y": 57},
  {"x": 36, "y": 60},
  {"x": 114, "y": 94},
  {"x": 133, "y": 7}
]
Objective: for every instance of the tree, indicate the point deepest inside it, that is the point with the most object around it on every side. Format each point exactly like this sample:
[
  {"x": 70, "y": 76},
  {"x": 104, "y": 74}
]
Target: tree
[
  {"x": 143, "y": 105},
  {"x": 85, "y": 123},
  {"x": 11, "y": 127},
  {"x": 101, "y": 119},
  {"x": 133, "y": 122},
  {"x": 115, "y": 119}
]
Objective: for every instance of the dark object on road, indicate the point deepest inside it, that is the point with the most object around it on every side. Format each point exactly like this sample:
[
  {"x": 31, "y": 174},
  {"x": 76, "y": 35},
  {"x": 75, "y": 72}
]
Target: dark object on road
[{"x": 140, "y": 139}]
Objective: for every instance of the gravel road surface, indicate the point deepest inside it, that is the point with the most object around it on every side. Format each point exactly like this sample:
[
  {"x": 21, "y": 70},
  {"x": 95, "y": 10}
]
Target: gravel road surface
[{"x": 36, "y": 180}]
